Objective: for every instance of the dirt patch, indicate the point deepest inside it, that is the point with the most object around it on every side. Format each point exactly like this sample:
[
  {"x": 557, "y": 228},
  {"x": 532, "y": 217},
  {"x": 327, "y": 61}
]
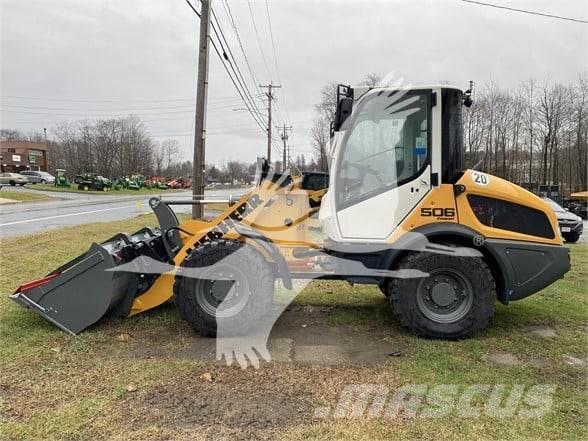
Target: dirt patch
[
  {"x": 225, "y": 409},
  {"x": 302, "y": 336},
  {"x": 574, "y": 361},
  {"x": 541, "y": 331},
  {"x": 539, "y": 363},
  {"x": 236, "y": 404},
  {"x": 504, "y": 358},
  {"x": 8, "y": 410}
]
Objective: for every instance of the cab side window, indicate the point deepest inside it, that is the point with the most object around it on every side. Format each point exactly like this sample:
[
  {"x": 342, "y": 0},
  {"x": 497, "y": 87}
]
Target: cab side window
[{"x": 386, "y": 146}]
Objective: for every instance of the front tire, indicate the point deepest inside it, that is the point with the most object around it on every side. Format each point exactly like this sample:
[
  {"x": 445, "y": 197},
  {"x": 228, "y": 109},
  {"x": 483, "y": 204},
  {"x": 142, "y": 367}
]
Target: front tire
[
  {"x": 571, "y": 237},
  {"x": 455, "y": 301},
  {"x": 230, "y": 273}
]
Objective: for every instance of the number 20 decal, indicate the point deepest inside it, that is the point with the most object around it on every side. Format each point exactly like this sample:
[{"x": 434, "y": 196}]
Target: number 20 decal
[{"x": 480, "y": 178}]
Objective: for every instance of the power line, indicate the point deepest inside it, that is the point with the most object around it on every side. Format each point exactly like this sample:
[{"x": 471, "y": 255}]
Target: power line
[
  {"x": 524, "y": 11},
  {"x": 258, "y": 39},
  {"x": 237, "y": 87},
  {"x": 192, "y": 8},
  {"x": 84, "y": 110},
  {"x": 252, "y": 106},
  {"x": 269, "y": 22},
  {"x": 94, "y": 114},
  {"x": 260, "y": 124},
  {"x": 67, "y": 100},
  {"x": 234, "y": 26},
  {"x": 234, "y": 66},
  {"x": 241, "y": 46}
]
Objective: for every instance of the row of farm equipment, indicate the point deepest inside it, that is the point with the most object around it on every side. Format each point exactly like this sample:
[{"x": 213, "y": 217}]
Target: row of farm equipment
[{"x": 95, "y": 182}]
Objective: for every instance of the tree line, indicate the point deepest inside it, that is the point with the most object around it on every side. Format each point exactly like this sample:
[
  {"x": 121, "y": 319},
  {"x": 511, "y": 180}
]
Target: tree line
[
  {"x": 123, "y": 147},
  {"x": 533, "y": 134},
  {"x": 109, "y": 147}
]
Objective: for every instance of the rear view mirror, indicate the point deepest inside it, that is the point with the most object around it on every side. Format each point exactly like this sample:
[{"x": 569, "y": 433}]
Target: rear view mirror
[{"x": 344, "y": 107}]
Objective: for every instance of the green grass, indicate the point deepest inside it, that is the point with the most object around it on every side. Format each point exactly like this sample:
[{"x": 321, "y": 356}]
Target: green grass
[
  {"x": 23, "y": 196},
  {"x": 53, "y": 386},
  {"x": 74, "y": 189}
]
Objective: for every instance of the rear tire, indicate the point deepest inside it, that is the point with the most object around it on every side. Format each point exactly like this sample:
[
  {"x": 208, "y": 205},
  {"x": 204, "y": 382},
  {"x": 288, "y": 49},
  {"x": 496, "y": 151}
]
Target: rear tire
[
  {"x": 244, "y": 301},
  {"x": 383, "y": 287},
  {"x": 12, "y": 183},
  {"x": 456, "y": 300},
  {"x": 571, "y": 237}
]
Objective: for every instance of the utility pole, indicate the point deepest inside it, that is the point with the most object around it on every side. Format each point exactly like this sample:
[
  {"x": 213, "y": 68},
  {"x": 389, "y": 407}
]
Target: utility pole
[
  {"x": 270, "y": 97},
  {"x": 285, "y": 152},
  {"x": 46, "y": 151},
  {"x": 200, "y": 118}
]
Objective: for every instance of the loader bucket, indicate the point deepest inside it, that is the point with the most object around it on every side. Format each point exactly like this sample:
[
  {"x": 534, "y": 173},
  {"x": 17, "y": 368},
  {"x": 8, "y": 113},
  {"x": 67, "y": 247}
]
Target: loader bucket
[{"x": 81, "y": 292}]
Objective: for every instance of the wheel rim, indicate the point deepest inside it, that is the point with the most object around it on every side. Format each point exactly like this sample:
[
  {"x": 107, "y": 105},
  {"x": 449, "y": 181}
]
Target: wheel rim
[
  {"x": 446, "y": 296},
  {"x": 226, "y": 285}
]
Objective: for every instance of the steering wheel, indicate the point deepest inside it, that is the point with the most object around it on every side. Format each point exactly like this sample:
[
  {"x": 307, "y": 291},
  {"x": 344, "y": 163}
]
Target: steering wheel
[{"x": 367, "y": 170}]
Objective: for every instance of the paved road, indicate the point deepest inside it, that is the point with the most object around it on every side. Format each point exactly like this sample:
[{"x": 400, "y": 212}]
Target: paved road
[{"x": 67, "y": 209}]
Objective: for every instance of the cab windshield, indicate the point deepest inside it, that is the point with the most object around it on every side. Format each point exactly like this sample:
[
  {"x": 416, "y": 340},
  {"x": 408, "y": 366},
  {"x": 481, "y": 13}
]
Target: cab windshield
[{"x": 386, "y": 145}]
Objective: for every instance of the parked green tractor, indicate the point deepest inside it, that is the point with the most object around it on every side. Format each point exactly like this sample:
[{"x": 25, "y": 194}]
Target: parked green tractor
[
  {"x": 141, "y": 181},
  {"x": 159, "y": 185},
  {"x": 118, "y": 183},
  {"x": 133, "y": 183},
  {"x": 60, "y": 178}
]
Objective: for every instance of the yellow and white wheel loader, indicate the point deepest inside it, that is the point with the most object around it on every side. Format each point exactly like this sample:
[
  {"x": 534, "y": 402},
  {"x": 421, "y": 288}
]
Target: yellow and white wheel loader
[{"x": 397, "y": 199}]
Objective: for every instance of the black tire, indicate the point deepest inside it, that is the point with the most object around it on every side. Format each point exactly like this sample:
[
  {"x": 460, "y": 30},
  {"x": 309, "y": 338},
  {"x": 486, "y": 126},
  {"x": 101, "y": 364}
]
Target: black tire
[
  {"x": 571, "y": 237},
  {"x": 197, "y": 299},
  {"x": 383, "y": 287},
  {"x": 43, "y": 181},
  {"x": 456, "y": 301},
  {"x": 22, "y": 185},
  {"x": 12, "y": 183}
]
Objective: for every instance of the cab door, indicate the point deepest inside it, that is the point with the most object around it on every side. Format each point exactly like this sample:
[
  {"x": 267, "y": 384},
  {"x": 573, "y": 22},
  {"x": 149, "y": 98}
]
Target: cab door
[{"x": 385, "y": 164}]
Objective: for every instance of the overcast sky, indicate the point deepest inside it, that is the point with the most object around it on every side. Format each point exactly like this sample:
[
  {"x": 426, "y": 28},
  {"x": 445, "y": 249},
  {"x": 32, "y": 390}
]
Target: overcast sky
[{"x": 91, "y": 58}]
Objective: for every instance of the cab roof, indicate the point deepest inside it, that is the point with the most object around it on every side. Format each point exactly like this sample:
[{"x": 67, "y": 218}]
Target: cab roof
[{"x": 359, "y": 91}]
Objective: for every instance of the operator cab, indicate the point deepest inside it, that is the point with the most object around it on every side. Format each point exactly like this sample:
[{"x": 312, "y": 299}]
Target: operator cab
[{"x": 389, "y": 148}]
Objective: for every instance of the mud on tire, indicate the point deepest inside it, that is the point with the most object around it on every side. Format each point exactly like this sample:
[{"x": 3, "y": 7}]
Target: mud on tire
[
  {"x": 235, "y": 286},
  {"x": 456, "y": 301}
]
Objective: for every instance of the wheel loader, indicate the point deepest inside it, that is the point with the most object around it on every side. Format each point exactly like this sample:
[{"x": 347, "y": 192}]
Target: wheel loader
[{"x": 397, "y": 199}]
